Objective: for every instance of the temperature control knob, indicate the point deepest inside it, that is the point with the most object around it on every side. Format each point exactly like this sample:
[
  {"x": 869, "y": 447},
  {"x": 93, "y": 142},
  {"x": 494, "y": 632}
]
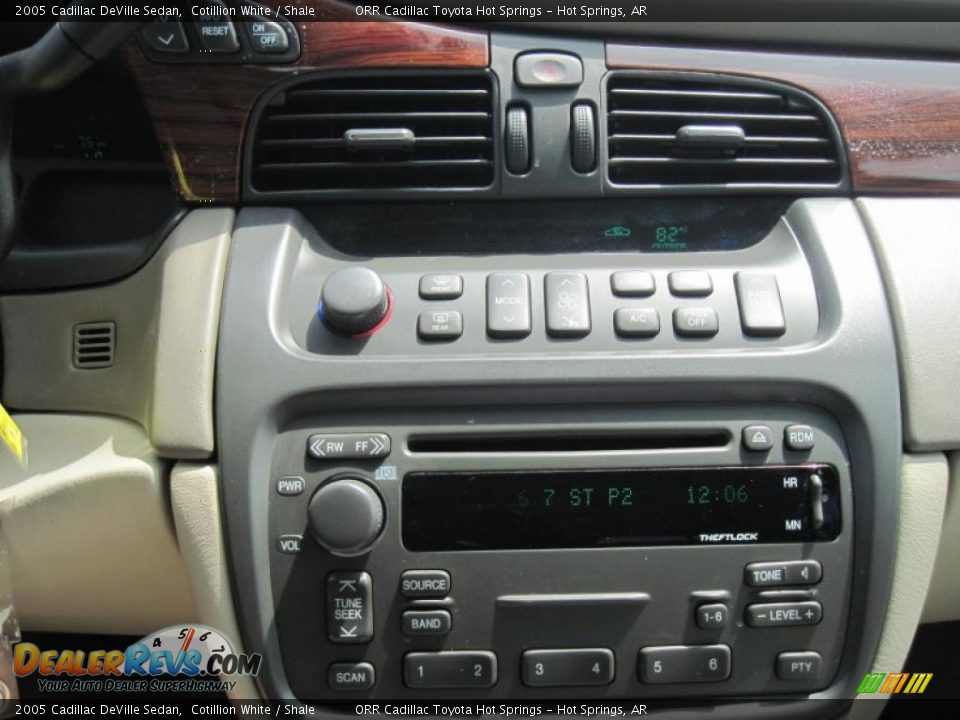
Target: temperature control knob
[
  {"x": 346, "y": 516},
  {"x": 354, "y": 300}
]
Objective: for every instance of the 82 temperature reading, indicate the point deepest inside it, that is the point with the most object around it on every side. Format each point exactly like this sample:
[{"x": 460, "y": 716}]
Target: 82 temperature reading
[
  {"x": 576, "y": 497},
  {"x": 730, "y": 494}
]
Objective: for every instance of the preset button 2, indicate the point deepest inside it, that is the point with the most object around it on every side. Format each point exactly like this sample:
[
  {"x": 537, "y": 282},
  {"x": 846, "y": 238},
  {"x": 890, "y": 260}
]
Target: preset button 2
[{"x": 567, "y": 668}]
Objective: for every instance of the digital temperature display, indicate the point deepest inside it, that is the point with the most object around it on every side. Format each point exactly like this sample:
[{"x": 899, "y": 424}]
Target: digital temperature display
[{"x": 612, "y": 508}]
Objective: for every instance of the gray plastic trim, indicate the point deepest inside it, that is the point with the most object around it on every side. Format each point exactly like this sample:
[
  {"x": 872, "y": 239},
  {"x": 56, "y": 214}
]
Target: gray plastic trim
[{"x": 849, "y": 370}]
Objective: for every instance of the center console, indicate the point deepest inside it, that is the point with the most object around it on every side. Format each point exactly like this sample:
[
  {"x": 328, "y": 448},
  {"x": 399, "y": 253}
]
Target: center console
[{"x": 643, "y": 457}]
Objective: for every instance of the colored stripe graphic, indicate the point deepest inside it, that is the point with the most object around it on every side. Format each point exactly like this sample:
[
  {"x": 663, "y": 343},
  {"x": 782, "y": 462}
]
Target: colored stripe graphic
[{"x": 893, "y": 683}]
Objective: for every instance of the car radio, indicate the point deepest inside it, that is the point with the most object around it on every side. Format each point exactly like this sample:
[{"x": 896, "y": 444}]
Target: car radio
[{"x": 612, "y": 552}]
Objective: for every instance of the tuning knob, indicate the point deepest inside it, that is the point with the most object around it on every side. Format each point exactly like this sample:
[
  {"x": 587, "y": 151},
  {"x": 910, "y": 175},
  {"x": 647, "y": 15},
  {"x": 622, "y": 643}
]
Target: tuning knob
[
  {"x": 346, "y": 516},
  {"x": 354, "y": 300}
]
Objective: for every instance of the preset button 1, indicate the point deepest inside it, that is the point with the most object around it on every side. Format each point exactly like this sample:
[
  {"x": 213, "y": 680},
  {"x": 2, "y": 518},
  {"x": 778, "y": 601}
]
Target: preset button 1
[{"x": 449, "y": 669}]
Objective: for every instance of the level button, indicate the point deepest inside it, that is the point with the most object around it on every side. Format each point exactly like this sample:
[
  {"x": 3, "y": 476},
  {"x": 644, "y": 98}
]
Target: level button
[
  {"x": 348, "y": 446},
  {"x": 425, "y": 583},
  {"x": 784, "y": 614}
]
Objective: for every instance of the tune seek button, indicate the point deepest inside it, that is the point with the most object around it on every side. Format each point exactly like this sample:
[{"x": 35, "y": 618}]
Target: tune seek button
[{"x": 425, "y": 583}]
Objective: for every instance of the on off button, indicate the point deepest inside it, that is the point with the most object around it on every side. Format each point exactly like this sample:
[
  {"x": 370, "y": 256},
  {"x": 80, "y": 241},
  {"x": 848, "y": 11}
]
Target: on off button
[{"x": 425, "y": 583}]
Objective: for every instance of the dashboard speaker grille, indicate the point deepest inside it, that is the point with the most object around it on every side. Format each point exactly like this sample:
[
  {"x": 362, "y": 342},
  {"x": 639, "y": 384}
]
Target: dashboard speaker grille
[
  {"x": 377, "y": 132},
  {"x": 705, "y": 131},
  {"x": 93, "y": 345}
]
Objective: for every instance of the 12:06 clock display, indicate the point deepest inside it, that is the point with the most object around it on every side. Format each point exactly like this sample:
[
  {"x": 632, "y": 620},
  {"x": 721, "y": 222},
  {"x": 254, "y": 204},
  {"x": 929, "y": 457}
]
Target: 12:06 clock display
[{"x": 609, "y": 508}]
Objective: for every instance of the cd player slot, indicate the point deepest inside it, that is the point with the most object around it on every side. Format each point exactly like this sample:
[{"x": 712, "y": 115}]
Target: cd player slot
[{"x": 565, "y": 442}]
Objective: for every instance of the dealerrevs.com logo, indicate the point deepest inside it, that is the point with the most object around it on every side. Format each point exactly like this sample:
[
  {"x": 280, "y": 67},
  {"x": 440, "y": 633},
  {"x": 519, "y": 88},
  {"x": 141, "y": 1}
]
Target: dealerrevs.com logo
[{"x": 191, "y": 658}]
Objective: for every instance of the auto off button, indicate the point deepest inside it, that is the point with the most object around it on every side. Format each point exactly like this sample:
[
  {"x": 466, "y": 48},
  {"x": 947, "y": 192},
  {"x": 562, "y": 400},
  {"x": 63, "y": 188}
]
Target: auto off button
[{"x": 425, "y": 583}]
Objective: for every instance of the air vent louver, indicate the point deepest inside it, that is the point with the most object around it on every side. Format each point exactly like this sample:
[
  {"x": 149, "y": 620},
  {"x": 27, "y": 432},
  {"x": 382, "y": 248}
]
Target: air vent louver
[
  {"x": 380, "y": 132},
  {"x": 93, "y": 345},
  {"x": 697, "y": 132}
]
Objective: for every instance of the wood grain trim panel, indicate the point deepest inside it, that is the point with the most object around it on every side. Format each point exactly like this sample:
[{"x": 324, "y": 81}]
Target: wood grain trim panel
[
  {"x": 900, "y": 118},
  {"x": 200, "y": 112}
]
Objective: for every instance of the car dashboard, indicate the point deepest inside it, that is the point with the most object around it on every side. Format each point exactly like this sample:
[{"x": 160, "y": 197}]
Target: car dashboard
[{"x": 500, "y": 362}]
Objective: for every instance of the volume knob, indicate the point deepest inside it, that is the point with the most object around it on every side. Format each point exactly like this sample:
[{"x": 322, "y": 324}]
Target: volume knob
[
  {"x": 346, "y": 516},
  {"x": 354, "y": 300}
]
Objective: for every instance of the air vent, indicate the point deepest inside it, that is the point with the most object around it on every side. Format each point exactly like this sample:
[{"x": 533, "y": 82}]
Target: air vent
[
  {"x": 384, "y": 132},
  {"x": 707, "y": 132},
  {"x": 93, "y": 345}
]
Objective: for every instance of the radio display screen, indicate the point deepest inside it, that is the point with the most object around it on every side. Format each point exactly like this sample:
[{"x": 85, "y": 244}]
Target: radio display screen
[{"x": 457, "y": 511}]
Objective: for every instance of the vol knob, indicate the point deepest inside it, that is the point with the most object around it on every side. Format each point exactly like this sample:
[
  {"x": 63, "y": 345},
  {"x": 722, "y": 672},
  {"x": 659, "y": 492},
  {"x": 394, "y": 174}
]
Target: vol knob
[
  {"x": 346, "y": 516},
  {"x": 354, "y": 300}
]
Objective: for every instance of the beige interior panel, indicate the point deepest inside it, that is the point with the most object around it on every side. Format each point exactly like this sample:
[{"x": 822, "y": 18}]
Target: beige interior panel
[
  {"x": 166, "y": 317},
  {"x": 943, "y": 600},
  {"x": 194, "y": 496},
  {"x": 918, "y": 253},
  {"x": 91, "y": 542},
  {"x": 923, "y": 491}
]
